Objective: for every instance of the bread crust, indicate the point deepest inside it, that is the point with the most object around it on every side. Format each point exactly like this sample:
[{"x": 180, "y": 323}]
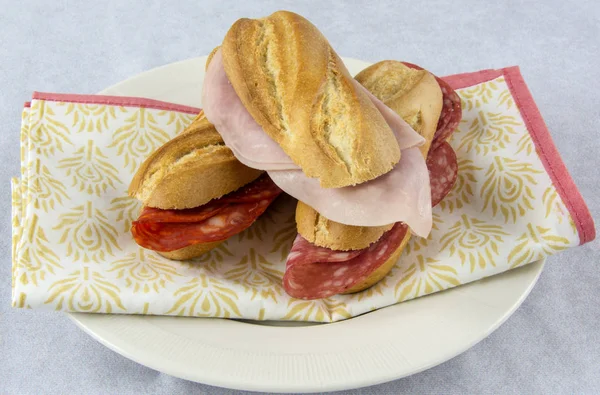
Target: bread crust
[
  {"x": 326, "y": 233},
  {"x": 413, "y": 94},
  {"x": 190, "y": 170},
  {"x": 189, "y": 252},
  {"x": 298, "y": 90}
]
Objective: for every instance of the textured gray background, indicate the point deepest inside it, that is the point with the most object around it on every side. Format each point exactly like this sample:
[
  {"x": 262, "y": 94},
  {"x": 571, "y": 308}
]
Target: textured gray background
[{"x": 550, "y": 345}]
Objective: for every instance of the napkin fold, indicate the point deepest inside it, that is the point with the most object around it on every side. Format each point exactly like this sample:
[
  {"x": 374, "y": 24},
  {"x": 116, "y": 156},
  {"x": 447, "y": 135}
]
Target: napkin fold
[{"x": 514, "y": 203}]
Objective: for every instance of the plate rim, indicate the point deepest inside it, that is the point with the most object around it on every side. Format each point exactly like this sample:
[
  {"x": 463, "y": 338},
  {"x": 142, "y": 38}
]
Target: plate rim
[{"x": 83, "y": 322}]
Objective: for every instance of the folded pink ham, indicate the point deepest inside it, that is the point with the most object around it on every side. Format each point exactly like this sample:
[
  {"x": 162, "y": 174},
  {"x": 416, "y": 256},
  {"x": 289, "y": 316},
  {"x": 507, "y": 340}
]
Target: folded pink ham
[
  {"x": 397, "y": 196},
  {"x": 401, "y": 195},
  {"x": 240, "y": 132}
]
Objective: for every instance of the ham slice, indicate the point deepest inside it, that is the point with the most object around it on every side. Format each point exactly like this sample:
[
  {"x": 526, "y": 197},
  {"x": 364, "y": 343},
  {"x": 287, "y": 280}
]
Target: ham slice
[
  {"x": 240, "y": 132},
  {"x": 402, "y": 195},
  {"x": 397, "y": 196}
]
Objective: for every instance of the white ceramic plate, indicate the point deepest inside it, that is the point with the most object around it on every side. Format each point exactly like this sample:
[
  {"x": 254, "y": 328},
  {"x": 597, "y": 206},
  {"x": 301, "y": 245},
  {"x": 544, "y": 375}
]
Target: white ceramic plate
[{"x": 288, "y": 357}]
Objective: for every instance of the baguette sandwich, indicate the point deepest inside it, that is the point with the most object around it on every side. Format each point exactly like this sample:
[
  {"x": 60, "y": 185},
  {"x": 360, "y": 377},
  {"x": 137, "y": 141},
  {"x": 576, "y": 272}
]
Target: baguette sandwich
[
  {"x": 196, "y": 194},
  {"x": 358, "y": 256},
  {"x": 367, "y": 158}
]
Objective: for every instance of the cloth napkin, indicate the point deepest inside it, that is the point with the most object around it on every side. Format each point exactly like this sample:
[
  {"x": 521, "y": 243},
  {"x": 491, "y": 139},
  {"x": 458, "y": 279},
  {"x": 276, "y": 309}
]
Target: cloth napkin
[{"x": 513, "y": 203}]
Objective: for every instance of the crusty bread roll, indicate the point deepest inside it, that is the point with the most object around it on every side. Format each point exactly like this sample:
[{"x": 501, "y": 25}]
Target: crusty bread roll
[
  {"x": 190, "y": 170},
  {"x": 298, "y": 90},
  {"x": 413, "y": 94},
  {"x": 189, "y": 252},
  {"x": 326, "y": 233}
]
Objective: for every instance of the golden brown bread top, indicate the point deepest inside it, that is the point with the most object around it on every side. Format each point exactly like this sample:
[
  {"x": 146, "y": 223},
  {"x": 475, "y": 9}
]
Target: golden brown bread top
[
  {"x": 190, "y": 170},
  {"x": 298, "y": 90},
  {"x": 414, "y": 95}
]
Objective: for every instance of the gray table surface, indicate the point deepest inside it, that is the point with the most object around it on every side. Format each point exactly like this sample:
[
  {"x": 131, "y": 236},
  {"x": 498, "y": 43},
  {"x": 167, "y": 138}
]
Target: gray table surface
[{"x": 550, "y": 345}]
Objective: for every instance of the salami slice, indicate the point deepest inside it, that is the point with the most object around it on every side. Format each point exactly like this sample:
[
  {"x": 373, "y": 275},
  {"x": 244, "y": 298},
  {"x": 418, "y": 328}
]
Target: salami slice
[
  {"x": 315, "y": 253},
  {"x": 450, "y": 116},
  {"x": 156, "y": 215},
  {"x": 231, "y": 220},
  {"x": 315, "y": 272},
  {"x": 219, "y": 219},
  {"x": 261, "y": 188},
  {"x": 451, "y": 111},
  {"x": 443, "y": 170}
]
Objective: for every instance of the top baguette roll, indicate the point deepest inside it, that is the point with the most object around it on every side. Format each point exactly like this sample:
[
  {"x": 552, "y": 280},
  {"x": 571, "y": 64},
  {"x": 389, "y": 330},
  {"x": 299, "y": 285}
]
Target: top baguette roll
[
  {"x": 190, "y": 170},
  {"x": 413, "y": 94},
  {"x": 298, "y": 90}
]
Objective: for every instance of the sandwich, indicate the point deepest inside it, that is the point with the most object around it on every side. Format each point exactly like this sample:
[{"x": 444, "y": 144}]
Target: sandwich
[
  {"x": 196, "y": 194},
  {"x": 365, "y": 157},
  {"x": 329, "y": 258}
]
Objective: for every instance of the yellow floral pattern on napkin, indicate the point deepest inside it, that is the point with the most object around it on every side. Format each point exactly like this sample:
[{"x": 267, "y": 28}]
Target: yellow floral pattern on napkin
[{"x": 72, "y": 249}]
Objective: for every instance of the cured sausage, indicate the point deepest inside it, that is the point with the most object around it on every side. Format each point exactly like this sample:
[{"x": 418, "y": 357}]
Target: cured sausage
[
  {"x": 156, "y": 215},
  {"x": 316, "y": 272},
  {"x": 170, "y": 236},
  {"x": 315, "y": 253},
  {"x": 443, "y": 170},
  {"x": 450, "y": 116},
  {"x": 262, "y": 188},
  {"x": 219, "y": 219},
  {"x": 451, "y": 111}
]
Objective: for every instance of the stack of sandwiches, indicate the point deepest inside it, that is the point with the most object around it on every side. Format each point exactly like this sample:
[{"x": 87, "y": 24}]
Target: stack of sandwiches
[{"x": 366, "y": 157}]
